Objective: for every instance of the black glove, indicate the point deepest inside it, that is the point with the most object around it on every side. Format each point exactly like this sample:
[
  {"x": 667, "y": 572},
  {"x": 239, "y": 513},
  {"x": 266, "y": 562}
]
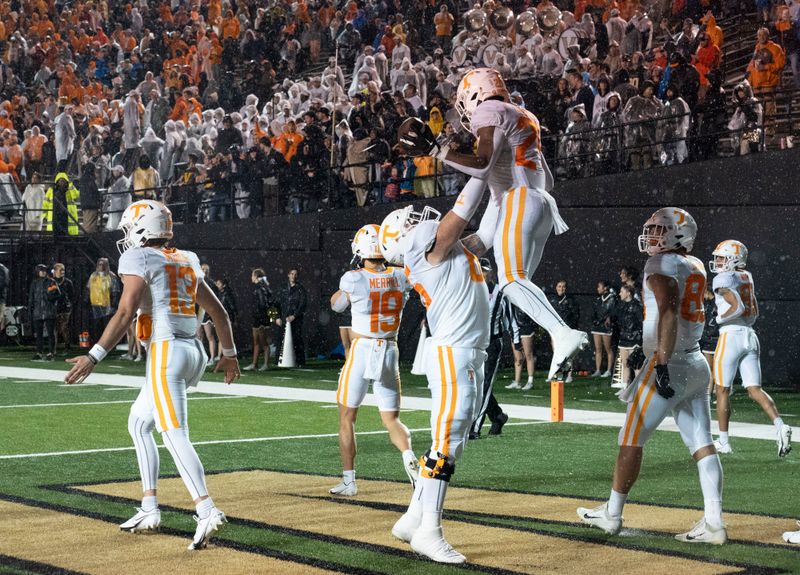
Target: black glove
[
  {"x": 636, "y": 359},
  {"x": 662, "y": 382},
  {"x": 414, "y": 138}
]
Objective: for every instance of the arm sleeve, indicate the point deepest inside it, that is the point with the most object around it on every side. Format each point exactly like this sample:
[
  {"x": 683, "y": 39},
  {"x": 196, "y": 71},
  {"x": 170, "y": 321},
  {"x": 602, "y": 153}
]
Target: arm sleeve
[
  {"x": 347, "y": 283},
  {"x": 132, "y": 263}
]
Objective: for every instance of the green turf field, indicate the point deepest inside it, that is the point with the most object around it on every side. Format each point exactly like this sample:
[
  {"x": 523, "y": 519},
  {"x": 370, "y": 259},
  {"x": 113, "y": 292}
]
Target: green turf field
[{"x": 513, "y": 496}]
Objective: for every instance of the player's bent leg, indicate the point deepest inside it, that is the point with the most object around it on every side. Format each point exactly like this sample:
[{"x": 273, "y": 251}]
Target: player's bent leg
[{"x": 782, "y": 431}]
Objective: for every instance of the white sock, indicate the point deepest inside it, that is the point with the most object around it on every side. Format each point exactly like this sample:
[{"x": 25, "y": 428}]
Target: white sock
[
  {"x": 204, "y": 507},
  {"x": 415, "y": 506},
  {"x": 530, "y": 379},
  {"x": 149, "y": 503},
  {"x": 349, "y": 475},
  {"x": 186, "y": 460},
  {"x": 616, "y": 501},
  {"x": 778, "y": 423},
  {"x": 723, "y": 437},
  {"x": 710, "y": 471},
  {"x": 433, "y": 492},
  {"x": 531, "y": 299},
  {"x": 409, "y": 454}
]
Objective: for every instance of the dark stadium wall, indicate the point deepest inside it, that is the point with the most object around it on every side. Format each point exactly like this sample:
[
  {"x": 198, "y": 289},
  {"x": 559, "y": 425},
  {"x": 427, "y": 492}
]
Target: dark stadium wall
[{"x": 752, "y": 199}]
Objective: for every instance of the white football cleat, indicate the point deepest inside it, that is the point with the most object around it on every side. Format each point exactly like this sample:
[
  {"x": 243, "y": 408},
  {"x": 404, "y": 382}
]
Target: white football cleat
[
  {"x": 143, "y": 521},
  {"x": 206, "y": 528},
  {"x": 606, "y": 373},
  {"x": 527, "y": 387},
  {"x": 513, "y": 385},
  {"x": 722, "y": 447},
  {"x": 618, "y": 385},
  {"x": 347, "y": 489},
  {"x": 702, "y": 532},
  {"x": 411, "y": 467},
  {"x": 569, "y": 379},
  {"x": 567, "y": 342},
  {"x": 599, "y": 517},
  {"x": 432, "y": 544},
  {"x": 784, "y": 441},
  {"x": 792, "y": 536},
  {"x": 405, "y": 527}
]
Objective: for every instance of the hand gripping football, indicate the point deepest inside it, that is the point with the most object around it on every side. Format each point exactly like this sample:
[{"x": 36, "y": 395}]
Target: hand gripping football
[{"x": 414, "y": 138}]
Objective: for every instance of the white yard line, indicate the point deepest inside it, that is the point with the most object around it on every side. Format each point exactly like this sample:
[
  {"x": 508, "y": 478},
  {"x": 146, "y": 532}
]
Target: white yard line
[
  {"x": 221, "y": 442},
  {"x": 128, "y": 401},
  {"x": 280, "y": 401},
  {"x": 528, "y": 412}
]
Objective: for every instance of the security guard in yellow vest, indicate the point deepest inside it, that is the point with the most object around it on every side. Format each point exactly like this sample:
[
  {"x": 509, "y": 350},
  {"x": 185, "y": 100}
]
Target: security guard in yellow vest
[{"x": 60, "y": 206}]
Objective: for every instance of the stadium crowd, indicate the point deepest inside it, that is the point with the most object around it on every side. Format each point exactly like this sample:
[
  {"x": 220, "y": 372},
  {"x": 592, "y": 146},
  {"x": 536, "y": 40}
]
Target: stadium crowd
[{"x": 231, "y": 109}]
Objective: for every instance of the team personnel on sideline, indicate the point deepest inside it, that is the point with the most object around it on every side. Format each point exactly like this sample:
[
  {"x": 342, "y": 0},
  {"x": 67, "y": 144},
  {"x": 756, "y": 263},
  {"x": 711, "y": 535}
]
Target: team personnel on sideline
[
  {"x": 376, "y": 295},
  {"x": 164, "y": 285},
  {"x": 450, "y": 282},
  {"x": 675, "y": 376},
  {"x": 521, "y": 213},
  {"x": 708, "y": 343},
  {"x": 738, "y": 348}
]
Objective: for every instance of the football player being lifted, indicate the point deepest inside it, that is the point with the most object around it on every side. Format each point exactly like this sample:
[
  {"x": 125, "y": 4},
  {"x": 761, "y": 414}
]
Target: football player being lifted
[
  {"x": 375, "y": 294},
  {"x": 164, "y": 285},
  {"x": 738, "y": 348},
  {"x": 450, "y": 283},
  {"x": 521, "y": 213},
  {"x": 674, "y": 379}
]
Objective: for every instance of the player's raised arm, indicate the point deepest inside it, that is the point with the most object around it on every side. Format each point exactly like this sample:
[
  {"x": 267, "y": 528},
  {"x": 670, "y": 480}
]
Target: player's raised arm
[
  {"x": 222, "y": 323},
  {"x": 133, "y": 288},
  {"x": 455, "y": 221}
]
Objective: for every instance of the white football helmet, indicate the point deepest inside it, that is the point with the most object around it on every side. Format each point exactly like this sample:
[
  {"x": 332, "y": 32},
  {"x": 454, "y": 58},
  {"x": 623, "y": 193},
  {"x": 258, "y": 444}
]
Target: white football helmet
[
  {"x": 396, "y": 228},
  {"x": 735, "y": 254},
  {"x": 142, "y": 221},
  {"x": 476, "y": 86},
  {"x": 365, "y": 243},
  {"x": 668, "y": 229}
]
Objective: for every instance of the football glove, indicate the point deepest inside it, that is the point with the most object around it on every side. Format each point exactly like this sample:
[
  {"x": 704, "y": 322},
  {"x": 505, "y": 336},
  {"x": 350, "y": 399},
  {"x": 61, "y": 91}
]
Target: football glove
[
  {"x": 414, "y": 138},
  {"x": 662, "y": 382}
]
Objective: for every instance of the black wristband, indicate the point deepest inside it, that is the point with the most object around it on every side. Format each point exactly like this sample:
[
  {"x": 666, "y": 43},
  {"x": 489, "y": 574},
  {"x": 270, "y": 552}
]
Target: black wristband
[{"x": 93, "y": 360}]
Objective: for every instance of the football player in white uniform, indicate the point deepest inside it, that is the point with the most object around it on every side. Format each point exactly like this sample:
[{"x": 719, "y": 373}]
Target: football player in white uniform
[
  {"x": 738, "y": 348},
  {"x": 521, "y": 213},
  {"x": 164, "y": 285},
  {"x": 674, "y": 378},
  {"x": 450, "y": 282},
  {"x": 376, "y": 295}
]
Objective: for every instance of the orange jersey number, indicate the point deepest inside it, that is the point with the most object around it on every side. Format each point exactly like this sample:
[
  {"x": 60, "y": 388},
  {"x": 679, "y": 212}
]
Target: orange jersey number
[
  {"x": 746, "y": 293},
  {"x": 692, "y": 304},
  {"x": 527, "y": 120},
  {"x": 475, "y": 271},
  {"x": 386, "y": 305},
  {"x": 185, "y": 278}
]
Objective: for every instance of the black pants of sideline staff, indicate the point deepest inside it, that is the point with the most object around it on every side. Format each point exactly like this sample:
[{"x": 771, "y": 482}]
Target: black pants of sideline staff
[
  {"x": 489, "y": 406},
  {"x": 45, "y": 328}
]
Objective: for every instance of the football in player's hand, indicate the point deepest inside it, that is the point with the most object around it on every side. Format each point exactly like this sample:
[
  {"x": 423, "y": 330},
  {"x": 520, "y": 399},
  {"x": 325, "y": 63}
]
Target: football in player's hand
[{"x": 414, "y": 138}]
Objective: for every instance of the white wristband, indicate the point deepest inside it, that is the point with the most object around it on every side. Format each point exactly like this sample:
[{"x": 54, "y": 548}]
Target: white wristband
[
  {"x": 97, "y": 353},
  {"x": 229, "y": 352}
]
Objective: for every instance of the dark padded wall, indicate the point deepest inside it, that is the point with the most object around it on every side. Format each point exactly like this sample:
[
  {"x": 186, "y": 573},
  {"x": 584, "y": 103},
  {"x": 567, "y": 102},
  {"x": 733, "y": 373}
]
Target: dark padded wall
[{"x": 752, "y": 199}]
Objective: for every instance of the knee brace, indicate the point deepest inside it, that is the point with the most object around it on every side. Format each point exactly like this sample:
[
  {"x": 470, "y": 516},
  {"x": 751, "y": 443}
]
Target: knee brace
[{"x": 433, "y": 466}]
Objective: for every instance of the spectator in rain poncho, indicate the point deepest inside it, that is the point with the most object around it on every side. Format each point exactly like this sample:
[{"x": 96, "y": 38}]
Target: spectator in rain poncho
[
  {"x": 131, "y": 130},
  {"x": 673, "y": 128},
  {"x": 639, "y": 119},
  {"x": 118, "y": 197},
  {"x": 157, "y": 112},
  {"x": 152, "y": 145},
  {"x": 609, "y": 136},
  {"x": 576, "y": 144},
  {"x": 33, "y": 198},
  {"x": 600, "y": 99},
  {"x": 196, "y": 128},
  {"x": 64, "y": 128},
  {"x": 172, "y": 144},
  {"x": 404, "y": 75},
  {"x": 746, "y": 123}
]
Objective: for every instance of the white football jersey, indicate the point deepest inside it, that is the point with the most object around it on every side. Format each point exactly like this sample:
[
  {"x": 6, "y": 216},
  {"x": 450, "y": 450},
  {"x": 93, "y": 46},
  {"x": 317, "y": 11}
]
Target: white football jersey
[
  {"x": 454, "y": 292},
  {"x": 690, "y": 274},
  {"x": 167, "y": 309},
  {"x": 376, "y": 300},
  {"x": 521, "y": 162},
  {"x": 740, "y": 282}
]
